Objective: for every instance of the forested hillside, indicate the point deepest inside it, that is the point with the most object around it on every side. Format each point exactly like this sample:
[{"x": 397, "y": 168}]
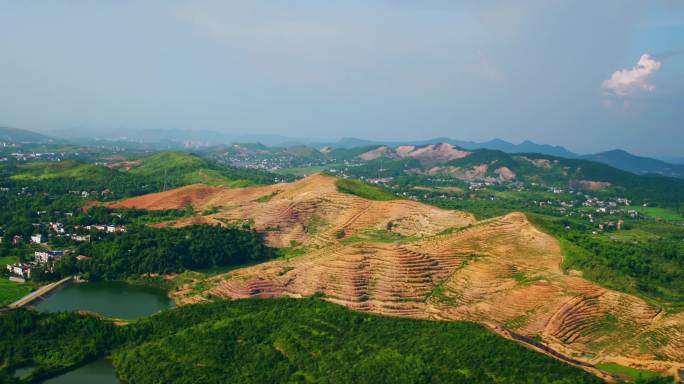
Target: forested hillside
[
  {"x": 280, "y": 340},
  {"x": 145, "y": 250}
]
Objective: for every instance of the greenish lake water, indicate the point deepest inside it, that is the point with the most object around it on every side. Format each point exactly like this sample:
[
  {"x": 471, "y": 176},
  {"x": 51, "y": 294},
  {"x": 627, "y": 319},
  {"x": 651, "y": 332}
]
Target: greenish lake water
[
  {"x": 110, "y": 298},
  {"x": 98, "y": 372},
  {"x": 23, "y": 372}
]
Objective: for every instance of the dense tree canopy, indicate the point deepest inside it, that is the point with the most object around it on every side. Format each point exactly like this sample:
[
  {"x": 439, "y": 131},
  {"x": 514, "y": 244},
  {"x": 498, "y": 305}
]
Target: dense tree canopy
[
  {"x": 274, "y": 341},
  {"x": 166, "y": 250}
]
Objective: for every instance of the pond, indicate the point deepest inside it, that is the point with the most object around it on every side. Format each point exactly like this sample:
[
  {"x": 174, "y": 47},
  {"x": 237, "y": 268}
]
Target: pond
[
  {"x": 110, "y": 298},
  {"x": 100, "y": 372},
  {"x": 23, "y": 372}
]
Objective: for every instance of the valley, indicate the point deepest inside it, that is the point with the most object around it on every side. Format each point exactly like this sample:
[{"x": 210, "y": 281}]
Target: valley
[
  {"x": 331, "y": 192},
  {"x": 569, "y": 259}
]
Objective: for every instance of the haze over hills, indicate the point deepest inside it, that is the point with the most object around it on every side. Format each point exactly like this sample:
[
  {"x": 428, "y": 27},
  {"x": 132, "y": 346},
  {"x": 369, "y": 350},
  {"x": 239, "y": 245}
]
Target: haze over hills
[
  {"x": 498, "y": 144},
  {"x": 672, "y": 159},
  {"x": 640, "y": 165},
  {"x": 324, "y": 192},
  {"x": 170, "y": 139},
  {"x": 182, "y": 137},
  {"x": 14, "y": 135}
]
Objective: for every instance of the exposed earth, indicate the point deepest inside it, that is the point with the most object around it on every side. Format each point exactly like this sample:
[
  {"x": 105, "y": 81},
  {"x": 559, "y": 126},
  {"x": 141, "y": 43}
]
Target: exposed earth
[{"x": 404, "y": 258}]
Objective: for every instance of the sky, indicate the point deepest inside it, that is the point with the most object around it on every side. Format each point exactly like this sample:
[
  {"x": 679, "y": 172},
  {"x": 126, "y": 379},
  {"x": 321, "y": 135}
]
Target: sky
[{"x": 588, "y": 75}]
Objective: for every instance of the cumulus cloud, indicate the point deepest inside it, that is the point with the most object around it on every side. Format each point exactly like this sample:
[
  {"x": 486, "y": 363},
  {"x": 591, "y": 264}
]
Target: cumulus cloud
[{"x": 626, "y": 82}]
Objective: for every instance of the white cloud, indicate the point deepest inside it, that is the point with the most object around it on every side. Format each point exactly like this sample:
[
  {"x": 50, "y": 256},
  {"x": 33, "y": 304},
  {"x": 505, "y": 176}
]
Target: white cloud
[{"x": 626, "y": 82}]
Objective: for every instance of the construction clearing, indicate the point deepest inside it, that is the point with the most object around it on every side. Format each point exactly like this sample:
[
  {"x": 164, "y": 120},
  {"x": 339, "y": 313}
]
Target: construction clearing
[{"x": 404, "y": 258}]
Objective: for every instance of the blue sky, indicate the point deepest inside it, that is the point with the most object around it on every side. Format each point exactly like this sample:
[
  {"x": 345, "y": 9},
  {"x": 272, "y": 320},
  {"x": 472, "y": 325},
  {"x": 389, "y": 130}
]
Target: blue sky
[{"x": 541, "y": 70}]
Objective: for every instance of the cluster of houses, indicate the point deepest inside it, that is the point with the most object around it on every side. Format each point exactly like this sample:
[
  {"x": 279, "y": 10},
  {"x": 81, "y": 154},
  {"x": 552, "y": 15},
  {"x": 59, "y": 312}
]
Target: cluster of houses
[
  {"x": 240, "y": 156},
  {"x": 591, "y": 208},
  {"x": 25, "y": 191},
  {"x": 584, "y": 205},
  {"x": 27, "y": 156},
  {"x": 59, "y": 230},
  {"x": 611, "y": 225},
  {"x": 38, "y": 238},
  {"x": 22, "y": 271},
  {"x": 85, "y": 194},
  {"x": 106, "y": 228}
]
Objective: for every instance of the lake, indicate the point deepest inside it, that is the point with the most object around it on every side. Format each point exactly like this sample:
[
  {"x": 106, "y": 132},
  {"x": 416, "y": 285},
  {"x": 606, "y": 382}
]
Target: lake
[{"x": 110, "y": 298}]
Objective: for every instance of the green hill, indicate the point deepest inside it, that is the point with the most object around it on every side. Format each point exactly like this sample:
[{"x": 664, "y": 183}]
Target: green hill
[
  {"x": 637, "y": 164},
  {"x": 563, "y": 172},
  {"x": 39, "y": 171},
  {"x": 179, "y": 168},
  {"x": 536, "y": 168},
  {"x": 14, "y": 135},
  {"x": 160, "y": 171},
  {"x": 274, "y": 341},
  {"x": 69, "y": 175},
  {"x": 363, "y": 189}
]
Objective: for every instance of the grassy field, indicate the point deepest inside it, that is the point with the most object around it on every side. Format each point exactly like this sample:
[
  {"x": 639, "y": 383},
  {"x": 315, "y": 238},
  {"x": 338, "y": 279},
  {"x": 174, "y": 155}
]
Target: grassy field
[
  {"x": 657, "y": 213},
  {"x": 363, "y": 189},
  {"x": 11, "y": 291},
  {"x": 4, "y": 260},
  {"x": 647, "y": 231},
  {"x": 632, "y": 373},
  {"x": 631, "y": 235},
  {"x": 184, "y": 168},
  {"x": 213, "y": 177},
  {"x": 40, "y": 171}
]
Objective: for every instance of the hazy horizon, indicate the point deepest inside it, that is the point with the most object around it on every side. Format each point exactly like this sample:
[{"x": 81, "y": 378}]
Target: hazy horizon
[
  {"x": 285, "y": 139},
  {"x": 583, "y": 75}
]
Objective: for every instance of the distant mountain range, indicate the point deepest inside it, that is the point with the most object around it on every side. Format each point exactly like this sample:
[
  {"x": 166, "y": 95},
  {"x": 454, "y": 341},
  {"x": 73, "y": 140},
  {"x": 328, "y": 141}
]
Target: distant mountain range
[
  {"x": 168, "y": 137},
  {"x": 176, "y": 138},
  {"x": 672, "y": 159},
  {"x": 497, "y": 144},
  {"x": 616, "y": 158},
  {"x": 636, "y": 164},
  {"x": 14, "y": 135}
]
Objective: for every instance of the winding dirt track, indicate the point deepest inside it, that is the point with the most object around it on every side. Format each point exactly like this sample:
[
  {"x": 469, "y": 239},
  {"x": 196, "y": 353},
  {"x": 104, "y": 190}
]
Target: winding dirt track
[{"x": 403, "y": 258}]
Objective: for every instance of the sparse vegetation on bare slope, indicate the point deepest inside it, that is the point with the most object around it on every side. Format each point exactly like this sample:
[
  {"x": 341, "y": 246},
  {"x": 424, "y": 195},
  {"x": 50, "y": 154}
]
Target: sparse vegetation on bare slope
[
  {"x": 284, "y": 212},
  {"x": 363, "y": 189},
  {"x": 404, "y": 258},
  {"x": 652, "y": 267}
]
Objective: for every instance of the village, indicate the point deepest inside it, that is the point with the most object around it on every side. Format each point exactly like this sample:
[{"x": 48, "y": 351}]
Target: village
[
  {"x": 604, "y": 213},
  {"x": 45, "y": 255}
]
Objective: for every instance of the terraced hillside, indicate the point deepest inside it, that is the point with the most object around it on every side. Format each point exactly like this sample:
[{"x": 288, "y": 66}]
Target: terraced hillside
[
  {"x": 403, "y": 258},
  {"x": 310, "y": 212}
]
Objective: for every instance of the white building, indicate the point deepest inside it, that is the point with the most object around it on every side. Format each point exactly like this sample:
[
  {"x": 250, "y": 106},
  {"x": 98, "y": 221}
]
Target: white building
[
  {"x": 47, "y": 256},
  {"x": 19, "y": 269},
  {"x": 80, "y": 238},
  {"x": 38, "y": 238}
]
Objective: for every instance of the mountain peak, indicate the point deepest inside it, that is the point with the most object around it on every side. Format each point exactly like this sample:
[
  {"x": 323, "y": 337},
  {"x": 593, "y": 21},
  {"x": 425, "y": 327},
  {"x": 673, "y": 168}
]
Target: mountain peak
[{"x": 626, "y": 161}]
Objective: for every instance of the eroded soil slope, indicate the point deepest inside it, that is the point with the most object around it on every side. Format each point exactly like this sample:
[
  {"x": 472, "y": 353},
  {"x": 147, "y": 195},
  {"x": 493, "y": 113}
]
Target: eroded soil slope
[
  {"x": 310, "y": 211},
  {"x": 404, "y": 258}
]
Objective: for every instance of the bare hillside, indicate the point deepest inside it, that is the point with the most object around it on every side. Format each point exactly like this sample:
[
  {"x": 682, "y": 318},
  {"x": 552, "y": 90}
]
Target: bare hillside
[{"x": 404, "y": 258}]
